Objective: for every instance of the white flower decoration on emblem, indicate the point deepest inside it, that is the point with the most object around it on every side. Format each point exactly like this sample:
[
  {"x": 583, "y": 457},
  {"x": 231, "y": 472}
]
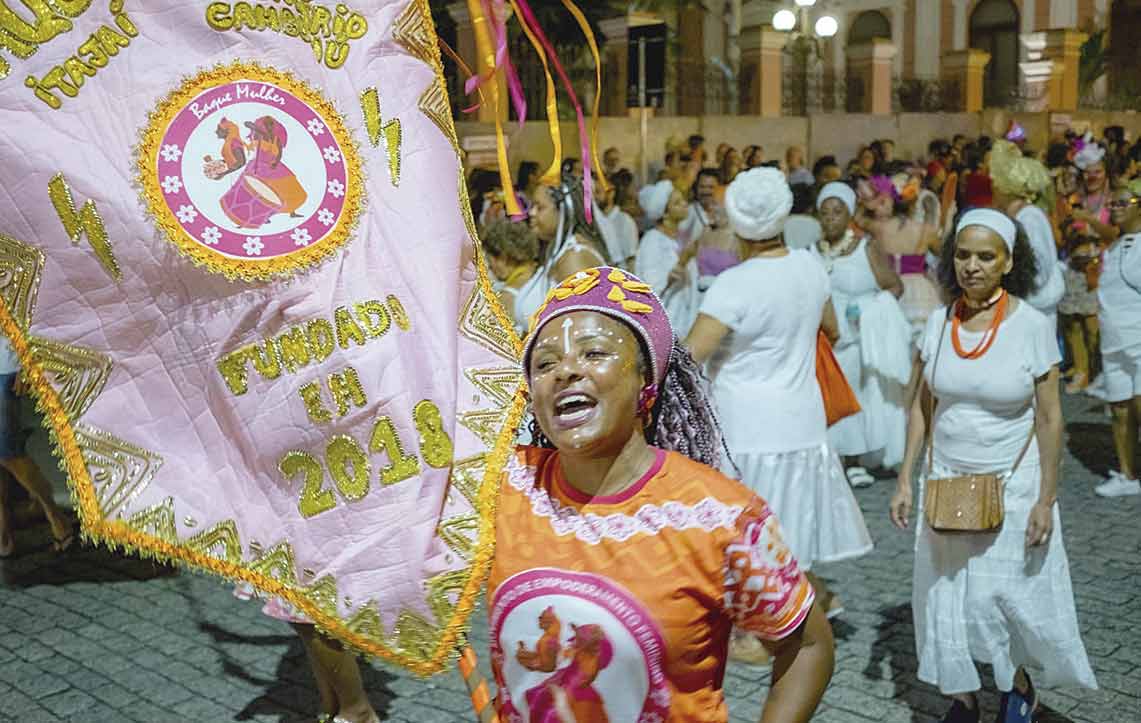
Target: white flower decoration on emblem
[
  {"x": 253, "y": 246},
  {"x": 211, "y": 235},
  {"x": 187, "y": 214},
  {"x": 172, "y": 184},
  {"x": 171, "y": 152},
  {"x": 336, "y": 188},
  {"x": 325, "y": 216},
  {"x": 332, "y": 155},
  {"x": 301, "y": 236},
  {"x": 315, "y": 127}
]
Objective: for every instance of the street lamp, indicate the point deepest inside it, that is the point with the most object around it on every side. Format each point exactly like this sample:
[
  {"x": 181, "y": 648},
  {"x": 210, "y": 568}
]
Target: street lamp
[{"x": 804, "y": 45}]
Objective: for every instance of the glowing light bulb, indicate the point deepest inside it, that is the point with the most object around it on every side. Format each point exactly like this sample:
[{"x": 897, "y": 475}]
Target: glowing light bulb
[
  {"x": 827, "y": 26},
  {"x": 805, "y": 3},
  {"x": 784, "y": 20}
]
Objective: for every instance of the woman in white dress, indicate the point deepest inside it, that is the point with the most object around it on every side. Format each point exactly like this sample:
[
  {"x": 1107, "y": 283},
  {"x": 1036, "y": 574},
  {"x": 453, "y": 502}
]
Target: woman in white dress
[
  {"x": 989, "y": 369},
  {"x": 1018, "y": 184},
  {"x": 1119, "y": 298},
  {"x": 660, "y": 249},
  {"x": 568, "y": 243},
  {"x": 757, "y": 329},
  {"x": 874, "y": 348}
]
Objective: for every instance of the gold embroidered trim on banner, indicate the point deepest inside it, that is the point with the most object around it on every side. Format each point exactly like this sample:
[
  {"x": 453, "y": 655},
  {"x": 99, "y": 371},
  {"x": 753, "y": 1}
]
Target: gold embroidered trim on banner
[
  {"x": 77, "y": 373},
  {"x": 20, "y": 269},
  {"x": 119, "y": 470},
  {"x": 484, "y": 423},
  {"x": 500, "y": 383}
]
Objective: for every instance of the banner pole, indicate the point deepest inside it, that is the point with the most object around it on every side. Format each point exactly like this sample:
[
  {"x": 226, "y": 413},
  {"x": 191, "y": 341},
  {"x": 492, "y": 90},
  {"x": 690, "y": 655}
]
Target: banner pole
[{"x": 477, "y": 687}]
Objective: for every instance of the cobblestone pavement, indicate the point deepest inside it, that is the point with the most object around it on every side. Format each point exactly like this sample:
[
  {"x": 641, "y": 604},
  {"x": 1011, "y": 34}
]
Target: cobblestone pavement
[{"x": 96, "y": 637}]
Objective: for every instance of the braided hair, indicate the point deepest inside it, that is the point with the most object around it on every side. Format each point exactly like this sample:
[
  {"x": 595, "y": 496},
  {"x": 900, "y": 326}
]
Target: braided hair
[
  {"x": 568, "y": 198},
  {"x": 683, "y": 418}
]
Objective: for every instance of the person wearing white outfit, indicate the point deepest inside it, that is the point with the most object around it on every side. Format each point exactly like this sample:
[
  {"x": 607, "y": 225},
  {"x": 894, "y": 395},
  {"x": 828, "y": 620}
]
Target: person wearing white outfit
[
  {"x": 757, "y": 329},
  {"x": 989, "y": 402},
  {"x": 874, "y": 348},
  {"x": 619, "y": 229},
  {"x": 1018, "y": 183},
  {"x": 568, "y": 243},
  {"x": 1119, "y": 301},
  {"x": 664, "y": 261}
]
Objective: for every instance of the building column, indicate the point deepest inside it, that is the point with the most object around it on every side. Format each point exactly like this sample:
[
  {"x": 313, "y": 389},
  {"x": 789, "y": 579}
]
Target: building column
[
  {"x": 467, "y": 49},
  {"x": 871, "y": 63},
  {"x": 898, "y": 28},
  {"x": 691, "y": 61},
  {"x": 963, "y": 70},
  {"x": 1064, "y": 49},
  {"x": 961, "y": 26},
  {"x": 1027, "y": 16},
  {"x": 928, "y": 36},
  {"x": 1063, "y": 13},
  {"x": 762, "y": 56},
  {"x": 616, "y": 64},
  {"x": 1036, "y": 71}
]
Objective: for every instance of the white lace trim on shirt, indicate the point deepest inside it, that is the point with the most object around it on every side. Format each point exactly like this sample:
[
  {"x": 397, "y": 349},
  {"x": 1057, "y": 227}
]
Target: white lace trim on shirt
[{"x": 709, "y": 514}]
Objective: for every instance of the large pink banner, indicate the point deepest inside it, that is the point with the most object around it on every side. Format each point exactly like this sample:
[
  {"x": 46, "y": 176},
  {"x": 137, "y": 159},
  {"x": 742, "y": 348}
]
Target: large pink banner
[{"x": 237, "y": 262}]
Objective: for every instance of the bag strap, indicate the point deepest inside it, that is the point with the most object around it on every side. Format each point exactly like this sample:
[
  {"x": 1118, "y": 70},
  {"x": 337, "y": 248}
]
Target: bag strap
[{"x": 930, "y": 435}]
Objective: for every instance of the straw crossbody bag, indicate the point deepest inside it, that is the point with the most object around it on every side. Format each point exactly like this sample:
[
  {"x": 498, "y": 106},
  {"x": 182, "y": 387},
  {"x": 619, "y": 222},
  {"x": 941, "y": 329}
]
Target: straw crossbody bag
[{"x": 964, "y": 503}]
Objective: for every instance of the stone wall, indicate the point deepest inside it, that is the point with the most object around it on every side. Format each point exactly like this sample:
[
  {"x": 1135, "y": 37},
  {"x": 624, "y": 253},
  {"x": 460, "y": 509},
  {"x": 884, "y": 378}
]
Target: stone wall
[{"x": 840, "y": 134}]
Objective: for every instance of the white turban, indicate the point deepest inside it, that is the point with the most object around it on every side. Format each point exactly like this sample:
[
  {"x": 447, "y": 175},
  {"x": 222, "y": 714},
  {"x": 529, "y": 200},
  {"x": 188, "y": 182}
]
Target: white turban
[
  {"x": 654, "y": 199},
  {"x": 841, "y": 191},
  {"x": 996, "y": 221},
  {"x": 758, "y": 203}
]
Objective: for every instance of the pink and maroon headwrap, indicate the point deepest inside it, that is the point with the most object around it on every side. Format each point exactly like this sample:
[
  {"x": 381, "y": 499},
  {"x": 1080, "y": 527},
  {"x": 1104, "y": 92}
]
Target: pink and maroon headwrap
[{"x": 617, "y": 294}]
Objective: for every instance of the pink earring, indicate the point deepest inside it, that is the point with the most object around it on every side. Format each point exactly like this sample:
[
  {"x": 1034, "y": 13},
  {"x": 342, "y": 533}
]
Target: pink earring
[{"x": 646, "y": 400}]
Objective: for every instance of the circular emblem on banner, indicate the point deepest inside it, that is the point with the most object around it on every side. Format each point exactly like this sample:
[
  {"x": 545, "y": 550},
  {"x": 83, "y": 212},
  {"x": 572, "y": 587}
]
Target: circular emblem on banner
[{"x": 250, "y": 172}]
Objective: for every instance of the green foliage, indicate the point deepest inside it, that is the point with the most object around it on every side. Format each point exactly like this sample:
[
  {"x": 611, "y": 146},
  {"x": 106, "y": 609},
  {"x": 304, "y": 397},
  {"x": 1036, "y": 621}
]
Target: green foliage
[{"x": 1094, "y": 60}]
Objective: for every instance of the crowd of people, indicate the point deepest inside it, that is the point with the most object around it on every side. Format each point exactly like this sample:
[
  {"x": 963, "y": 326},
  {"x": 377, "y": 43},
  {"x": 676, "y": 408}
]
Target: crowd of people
[
  {"x": 956, "y": 294},
  {"x": 685, "y": 469}
]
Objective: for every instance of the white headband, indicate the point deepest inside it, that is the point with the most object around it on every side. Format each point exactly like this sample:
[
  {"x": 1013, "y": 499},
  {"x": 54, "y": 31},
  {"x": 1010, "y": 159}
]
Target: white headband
[
  {"x": 841, "y": 191},
  {"x": 996, "y": 221}
]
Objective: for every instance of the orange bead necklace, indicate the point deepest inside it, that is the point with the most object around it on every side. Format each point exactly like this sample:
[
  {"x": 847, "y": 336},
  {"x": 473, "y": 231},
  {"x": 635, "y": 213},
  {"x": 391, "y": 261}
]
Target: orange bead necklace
[{"x": 989, "y": 335}]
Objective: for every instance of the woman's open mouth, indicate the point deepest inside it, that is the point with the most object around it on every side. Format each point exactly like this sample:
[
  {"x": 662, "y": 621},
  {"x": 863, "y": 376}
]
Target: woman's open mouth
[{"x": 573, "y": 409}]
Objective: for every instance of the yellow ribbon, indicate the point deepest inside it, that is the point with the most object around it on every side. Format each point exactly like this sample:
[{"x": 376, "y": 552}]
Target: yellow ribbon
[
  {"x": 486, "y": 49},
  {"x": 582, "y": 23},
  {"x": 552, "y": 173}
]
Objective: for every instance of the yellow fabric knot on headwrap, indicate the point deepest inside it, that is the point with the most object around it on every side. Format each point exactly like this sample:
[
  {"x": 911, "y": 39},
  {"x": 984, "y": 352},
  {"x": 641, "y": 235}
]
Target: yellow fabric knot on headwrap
[{"x": 1013, "y": 174}]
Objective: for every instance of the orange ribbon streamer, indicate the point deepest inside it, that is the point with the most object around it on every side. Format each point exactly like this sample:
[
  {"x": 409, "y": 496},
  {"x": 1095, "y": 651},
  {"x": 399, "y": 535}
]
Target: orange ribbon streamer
[{"x": 480, "y": 24}]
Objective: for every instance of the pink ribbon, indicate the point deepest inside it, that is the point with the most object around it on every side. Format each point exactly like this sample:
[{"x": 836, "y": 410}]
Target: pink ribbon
[{"x": 587, "y": 186}]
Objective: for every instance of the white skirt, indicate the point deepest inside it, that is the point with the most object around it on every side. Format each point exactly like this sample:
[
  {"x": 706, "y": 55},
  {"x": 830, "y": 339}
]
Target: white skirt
[
  {"x": 988, "y": 598},
  {"x": 810, "y": 496}
]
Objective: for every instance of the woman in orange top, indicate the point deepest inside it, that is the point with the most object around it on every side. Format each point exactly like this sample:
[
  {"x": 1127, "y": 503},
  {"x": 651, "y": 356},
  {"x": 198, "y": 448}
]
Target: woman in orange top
[{"x": 626, "y": 559}]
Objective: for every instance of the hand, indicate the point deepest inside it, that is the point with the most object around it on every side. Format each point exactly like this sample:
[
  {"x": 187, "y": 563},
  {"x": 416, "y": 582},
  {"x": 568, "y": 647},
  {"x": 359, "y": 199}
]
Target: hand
[
  {"x": 1082, "y": 214},
  {"x": 19, "y": 387},
  {"x": 900, "y": 506},
  {"x": 677, "y": 275},
  {"x": 1039, "y": 525}
]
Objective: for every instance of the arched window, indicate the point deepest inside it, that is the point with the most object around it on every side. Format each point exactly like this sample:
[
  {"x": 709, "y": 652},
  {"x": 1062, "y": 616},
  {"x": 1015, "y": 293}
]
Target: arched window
[
  {"x": 867, "y": 25},
  {"x": 994, "y": 28}
]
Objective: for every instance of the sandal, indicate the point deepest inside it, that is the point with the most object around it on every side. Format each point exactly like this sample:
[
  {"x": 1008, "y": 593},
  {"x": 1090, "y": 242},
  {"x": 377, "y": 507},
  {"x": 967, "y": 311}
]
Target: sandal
[
  {"x": 61, "y": 545},
  {"x": 1018, "y": 706},
  {"x": 859, "y": 477}
]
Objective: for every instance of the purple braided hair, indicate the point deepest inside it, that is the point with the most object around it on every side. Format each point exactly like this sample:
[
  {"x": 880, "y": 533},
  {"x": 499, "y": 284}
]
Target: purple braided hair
[{"x": 683, "y": 418}]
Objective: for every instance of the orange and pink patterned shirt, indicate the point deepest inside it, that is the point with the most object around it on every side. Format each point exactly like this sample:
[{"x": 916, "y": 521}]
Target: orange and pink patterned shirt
[{"x": 620, "y": 608}]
